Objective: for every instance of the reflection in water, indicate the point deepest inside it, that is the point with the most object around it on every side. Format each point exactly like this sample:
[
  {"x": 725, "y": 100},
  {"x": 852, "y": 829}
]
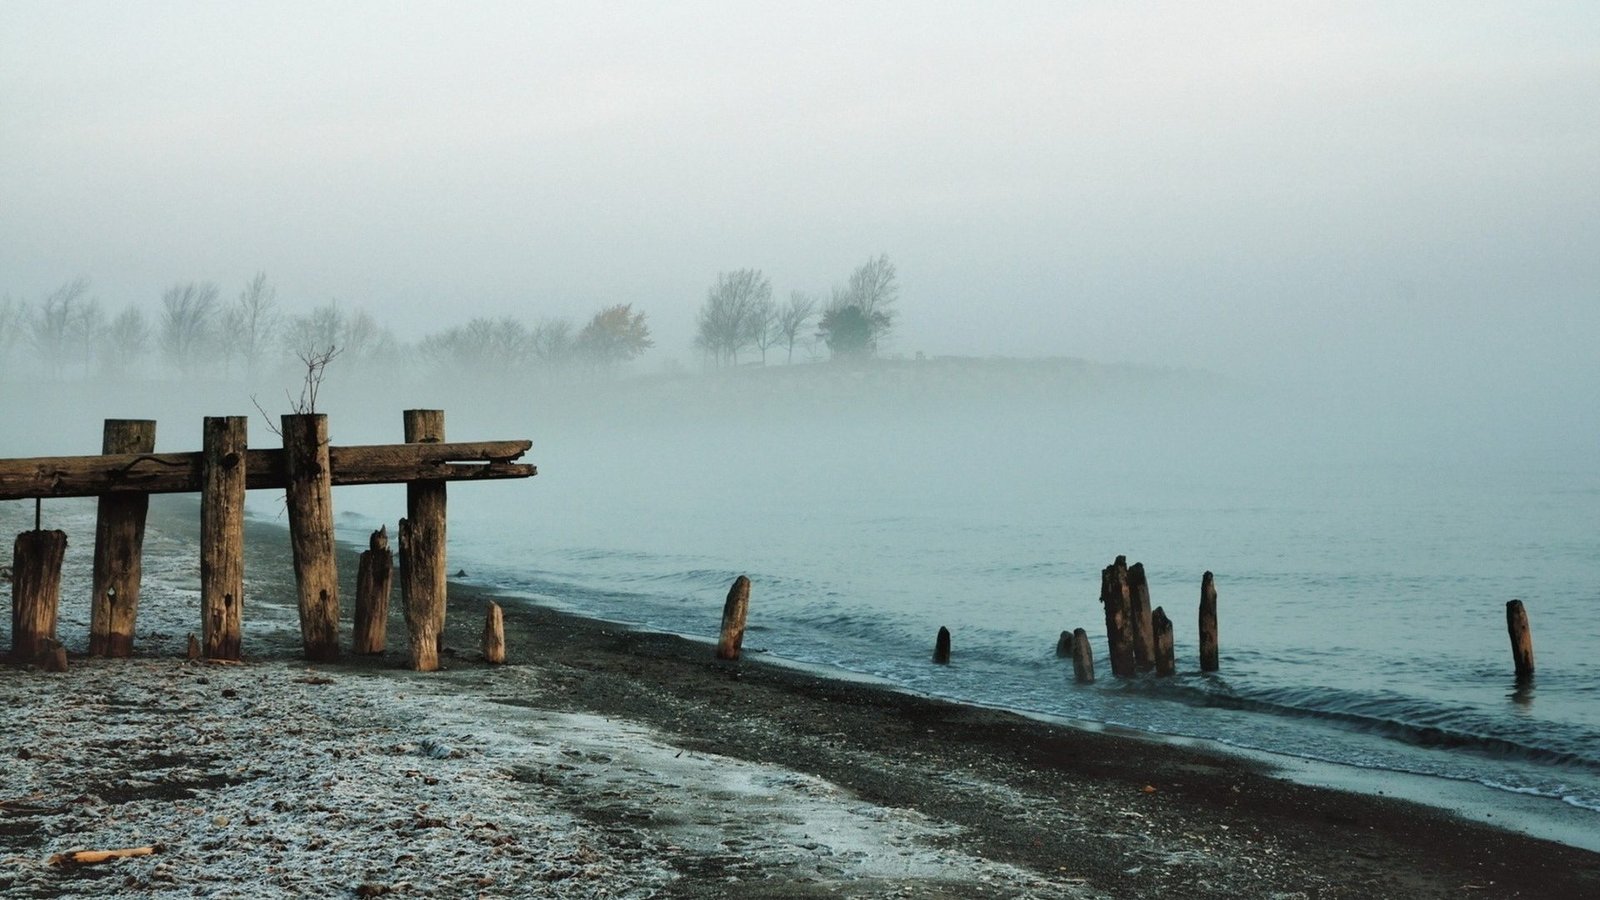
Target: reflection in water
[{"x": 1522, "y": 694}]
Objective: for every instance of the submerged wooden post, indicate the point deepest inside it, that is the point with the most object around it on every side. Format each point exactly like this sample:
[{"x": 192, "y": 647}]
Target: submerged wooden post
[
  {"x": 1521, "y": 638},
  {"x": 118, "y": 545},
  {"x": 1144, "y": 637},
  {"x": 1119, "y": 629},
  {"x": 425, "y": 585},
  {"x": 1064, "y": 645},
  {"x": 309, "y": 496},
  {"x": 1208, "y": 624},
  {"x": 494, "y": 635},
  {"x": 1082, "y": 657},
  {"x": 734, "y": 611},
  {"x": 223, "y": 454},
  {"x": 1166, "y": 662},
  {"x": 374, "y": 584},
  {"x": 35, "y": 592},
  {"x": 941, "y": 647}
]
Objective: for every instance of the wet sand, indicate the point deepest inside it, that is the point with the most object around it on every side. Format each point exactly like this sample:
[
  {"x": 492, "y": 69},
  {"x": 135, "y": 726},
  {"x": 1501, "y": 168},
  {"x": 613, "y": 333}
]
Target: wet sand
[{"x": 604, "y": 761}]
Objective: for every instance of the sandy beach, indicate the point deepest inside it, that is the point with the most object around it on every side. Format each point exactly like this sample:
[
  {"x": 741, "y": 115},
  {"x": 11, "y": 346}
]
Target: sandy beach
[{"x": 607, "y": 762}]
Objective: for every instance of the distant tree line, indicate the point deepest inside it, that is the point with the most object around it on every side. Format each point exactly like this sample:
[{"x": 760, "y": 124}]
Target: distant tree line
[
  {"x": 195, "y": 333},
  {"x": 739, "y": 315}
]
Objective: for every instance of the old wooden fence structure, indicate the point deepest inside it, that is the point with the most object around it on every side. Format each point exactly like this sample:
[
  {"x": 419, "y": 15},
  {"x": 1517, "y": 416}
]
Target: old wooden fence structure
[{"x": 306, "y": 468}]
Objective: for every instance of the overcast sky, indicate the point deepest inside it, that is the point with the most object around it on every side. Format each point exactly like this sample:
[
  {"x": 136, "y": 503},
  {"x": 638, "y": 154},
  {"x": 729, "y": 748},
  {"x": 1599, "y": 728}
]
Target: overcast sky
[{"x": 1410, "y": 189}]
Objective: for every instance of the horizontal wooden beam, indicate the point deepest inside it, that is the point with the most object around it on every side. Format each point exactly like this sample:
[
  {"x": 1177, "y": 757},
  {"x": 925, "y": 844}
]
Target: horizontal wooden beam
[{"x": 179, "y": 473}]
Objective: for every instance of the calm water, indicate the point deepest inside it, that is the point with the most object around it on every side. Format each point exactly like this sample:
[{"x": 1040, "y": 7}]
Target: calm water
[{"x": 1362, "y": 586}]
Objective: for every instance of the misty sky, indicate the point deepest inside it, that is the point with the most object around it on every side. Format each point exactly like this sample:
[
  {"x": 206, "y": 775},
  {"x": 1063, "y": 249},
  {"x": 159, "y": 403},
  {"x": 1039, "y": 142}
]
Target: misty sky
[{"x": 1406, "y": 193}]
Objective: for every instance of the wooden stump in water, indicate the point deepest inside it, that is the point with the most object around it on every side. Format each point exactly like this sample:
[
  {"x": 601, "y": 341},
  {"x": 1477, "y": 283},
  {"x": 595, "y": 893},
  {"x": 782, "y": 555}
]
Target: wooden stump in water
[
  {"x": 309, "y": 497},
  {"x": 1166, "y": 663},
  {"x": 1144, "y": 637},
  {"x": 425, "y": 508},
  {"x": 1208, "y": 624},
  {"x": 494, "y": 635},
  {"x": 1119, "y": 628},
  {"x": 374, "y": 584},
  {"x": 222, "y": 534},
  {"x": 118, "y": 545},
  {"x": 35, "y": 592},
  {"x": 1521, "y": 638},
  {"x": 734, "y": 611},
  {"x": 1064, "y": 645},
  {"x": 1082, "y": 657},
  {"x": 941, "y": 647}
]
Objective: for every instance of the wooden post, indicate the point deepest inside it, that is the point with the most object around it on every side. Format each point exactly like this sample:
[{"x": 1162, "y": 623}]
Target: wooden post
[
  {"x": 425, "y": 510},
  {"x": 422, "y": 626},
  {"x": 1082, "y": 657},
  {"x": 494, "y": 636},
  {"x": 941, "y": 647},
  {"x": 118, "y": 542},
  {"x": 223, "y": 449},
  {"x": 1119, "y": 629},
  {"x": 1521, "y": 638},
  {"x": 54, "y": 658},
  {"x": 309, "y": 496},
  {"x": 1064, "y": 645},
  {"x": 374, "y": 584},
  {"x": 1208, "y": 624},
  {"x": 35, "y": 592},
  {"x": 1166, "y": 663},
  {"x": 1144, "y": 637},
  {"x": 734, "y": 611}
]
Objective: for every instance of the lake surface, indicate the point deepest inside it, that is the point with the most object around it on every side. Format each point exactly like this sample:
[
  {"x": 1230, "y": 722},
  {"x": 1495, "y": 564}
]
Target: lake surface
[{"x": 1362, "y": 575}]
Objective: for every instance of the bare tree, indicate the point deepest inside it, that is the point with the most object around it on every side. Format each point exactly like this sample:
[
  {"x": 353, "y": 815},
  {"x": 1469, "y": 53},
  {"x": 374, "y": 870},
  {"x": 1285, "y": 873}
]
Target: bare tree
[
  {"x": 87, "y": 328},
  {"x": 792, "y": 319},
  {"x": 357, "y": 334},
  {"x": 13, "y": 320},
  {"x": 188, "y": 324},
  {"x": 736, "y": 310},
  {"x": 125, "y": 342},
  {"x": 250, "y": 324},
  {"x": 861, "y": 313},
  {"x": 50, "y": 328},
  {"x": 551, "y": 342},
  {"x": 482, "y": 345}
]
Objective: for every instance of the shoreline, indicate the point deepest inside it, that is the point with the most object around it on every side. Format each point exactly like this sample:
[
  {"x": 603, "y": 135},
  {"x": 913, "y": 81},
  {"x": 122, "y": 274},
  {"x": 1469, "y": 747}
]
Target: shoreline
[
  {"x": 1537, "y": 815},
  {"x": 654, "y": 771}
]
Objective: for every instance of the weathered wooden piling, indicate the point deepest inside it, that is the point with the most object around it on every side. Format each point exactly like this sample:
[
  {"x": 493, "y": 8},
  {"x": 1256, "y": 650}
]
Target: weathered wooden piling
[
  {"x": 426, "y": 584},
  {"x": 1521, "y": 638},
  {"x": 1119, "y": 628},
  {"x": 374, "y": 584},
  {"x": 1082, "y": 657},
  {"x": 118, "y": 546},
  {"x": 941, "y": 647},
  {"x": 54, "y": 658},
  {"x": 1166, "y": 662},
  {"x": 734, "y": 612},
  {"x": 1064, "y": 645},
  {"x": 35, "y": 592},
  {"x": 1208, "y": 624},
  {"x": 223, "y": 447},
  {"x": 422, "y": 625},
  {"x": 494, "y": 636},
  {"x": 309, "y": 497},
  {"x": 1144, "y": 638}
]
